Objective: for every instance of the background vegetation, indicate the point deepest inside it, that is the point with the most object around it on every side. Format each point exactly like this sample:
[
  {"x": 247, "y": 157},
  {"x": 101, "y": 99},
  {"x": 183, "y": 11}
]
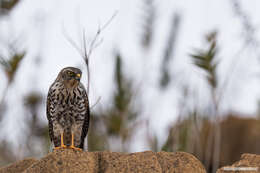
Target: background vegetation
[{"x": 214, "y": 137}]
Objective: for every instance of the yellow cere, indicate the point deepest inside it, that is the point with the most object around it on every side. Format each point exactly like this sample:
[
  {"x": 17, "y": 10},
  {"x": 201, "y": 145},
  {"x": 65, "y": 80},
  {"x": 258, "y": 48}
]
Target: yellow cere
[{"x": 78, "y": 75}]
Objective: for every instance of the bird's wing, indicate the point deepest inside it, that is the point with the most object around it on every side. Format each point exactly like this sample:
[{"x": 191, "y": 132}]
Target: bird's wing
[
  {"x": 86, "y": 119},
  {"x": 49, "y": 112}
]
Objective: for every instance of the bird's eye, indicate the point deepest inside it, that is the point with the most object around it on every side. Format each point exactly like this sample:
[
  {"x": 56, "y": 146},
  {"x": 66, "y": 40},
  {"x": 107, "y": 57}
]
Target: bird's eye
[{"x": 70, "y": 73}]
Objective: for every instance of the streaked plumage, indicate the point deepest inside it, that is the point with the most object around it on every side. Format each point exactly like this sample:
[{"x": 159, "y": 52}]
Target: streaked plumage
[{"x": 68, "y": 109}]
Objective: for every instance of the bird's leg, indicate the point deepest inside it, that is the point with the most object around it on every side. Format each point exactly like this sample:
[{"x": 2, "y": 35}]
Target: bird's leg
[
  {"x": 72, "y": 143},
  {"x": 62, "y": 143}
]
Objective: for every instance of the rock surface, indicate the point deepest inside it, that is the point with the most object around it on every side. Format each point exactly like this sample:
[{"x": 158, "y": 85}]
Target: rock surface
[
  {"x": 71, "y": 161},
  {"x": 248, "y": 163},
  {"x": 18, "y": 166}
]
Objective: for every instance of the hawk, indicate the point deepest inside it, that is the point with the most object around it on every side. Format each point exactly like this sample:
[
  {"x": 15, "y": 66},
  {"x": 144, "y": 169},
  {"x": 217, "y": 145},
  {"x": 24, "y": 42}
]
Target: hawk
[{"x": 68, "y": 110}]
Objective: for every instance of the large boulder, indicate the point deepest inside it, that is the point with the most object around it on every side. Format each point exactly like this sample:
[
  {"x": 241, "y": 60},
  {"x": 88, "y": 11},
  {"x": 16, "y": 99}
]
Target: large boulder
[{"x": 72, "y": 161}]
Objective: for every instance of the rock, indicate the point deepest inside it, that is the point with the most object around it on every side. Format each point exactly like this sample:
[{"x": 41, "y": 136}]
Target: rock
[
  {"x": 67, "y": 160},
  {"x": 19, "y": 166},
  {"x": 248, "y": 163},
  {"x": 145, "y": 162},
  {"x": 106, "y": 159},
  {"x": 179, "y": 162}
]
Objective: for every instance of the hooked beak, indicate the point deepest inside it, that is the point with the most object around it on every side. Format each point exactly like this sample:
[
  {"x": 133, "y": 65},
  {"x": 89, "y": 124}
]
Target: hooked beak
[{"x": 78, "y": 75}]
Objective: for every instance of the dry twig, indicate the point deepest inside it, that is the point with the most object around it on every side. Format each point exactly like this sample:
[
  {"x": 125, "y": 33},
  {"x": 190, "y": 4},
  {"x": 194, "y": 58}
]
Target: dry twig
[{"x": 85, "y": 53}]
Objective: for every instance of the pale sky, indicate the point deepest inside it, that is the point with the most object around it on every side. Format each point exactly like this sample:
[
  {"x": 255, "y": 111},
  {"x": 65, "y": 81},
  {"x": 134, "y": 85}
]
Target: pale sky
[{"x": 41, "y": 25}]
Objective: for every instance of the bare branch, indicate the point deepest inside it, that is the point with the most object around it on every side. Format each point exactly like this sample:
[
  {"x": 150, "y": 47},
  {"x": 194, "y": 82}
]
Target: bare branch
[
  {"x": 108, "y": 22},
  {"x": 86, "y": 52},
  {"x": 100, "y": 29},
  {"x": 98, "y": 100},
  {"x": 86, "y": 55},
  {"x": 73, "y": 44}
]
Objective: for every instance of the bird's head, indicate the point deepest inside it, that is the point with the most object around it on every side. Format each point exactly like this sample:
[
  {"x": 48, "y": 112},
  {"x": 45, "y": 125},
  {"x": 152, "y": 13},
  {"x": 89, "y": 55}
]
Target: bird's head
[{"x": 70, "y": 76}]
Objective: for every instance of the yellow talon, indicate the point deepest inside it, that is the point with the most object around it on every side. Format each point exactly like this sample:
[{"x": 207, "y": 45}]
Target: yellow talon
[
  {"x": 62, "y": 143},
  {"x": 75, "y": 148},
  {"x": 61, "y": 147},
  {"x": 72, "y": 144}
]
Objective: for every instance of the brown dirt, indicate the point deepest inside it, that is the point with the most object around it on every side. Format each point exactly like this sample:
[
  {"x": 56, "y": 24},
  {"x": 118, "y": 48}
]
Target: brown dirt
[{"x": 70, "y": 161}]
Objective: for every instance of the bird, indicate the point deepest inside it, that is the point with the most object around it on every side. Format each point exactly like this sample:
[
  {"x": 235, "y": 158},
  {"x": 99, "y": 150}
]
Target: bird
[{"x": 68, "y": 111}]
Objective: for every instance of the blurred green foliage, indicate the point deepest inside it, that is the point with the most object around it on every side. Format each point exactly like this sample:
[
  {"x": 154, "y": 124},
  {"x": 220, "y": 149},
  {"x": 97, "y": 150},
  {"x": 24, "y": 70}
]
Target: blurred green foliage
[
  {"x": 206, "y": 59},
  {"x": 7, "y": 5},
  {"x": 119, "y": 120},
  {"x": 11, "y": 65},
  {"x": 148, "y": 18},
  {"x": 169, "y": 51}
]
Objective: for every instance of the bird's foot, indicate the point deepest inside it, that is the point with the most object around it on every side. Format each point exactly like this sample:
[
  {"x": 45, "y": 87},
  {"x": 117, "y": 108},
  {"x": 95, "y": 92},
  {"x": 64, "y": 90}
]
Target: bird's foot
[
  {"x": 75, "y": 148},
  {"x": 60, "y": 147}
]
